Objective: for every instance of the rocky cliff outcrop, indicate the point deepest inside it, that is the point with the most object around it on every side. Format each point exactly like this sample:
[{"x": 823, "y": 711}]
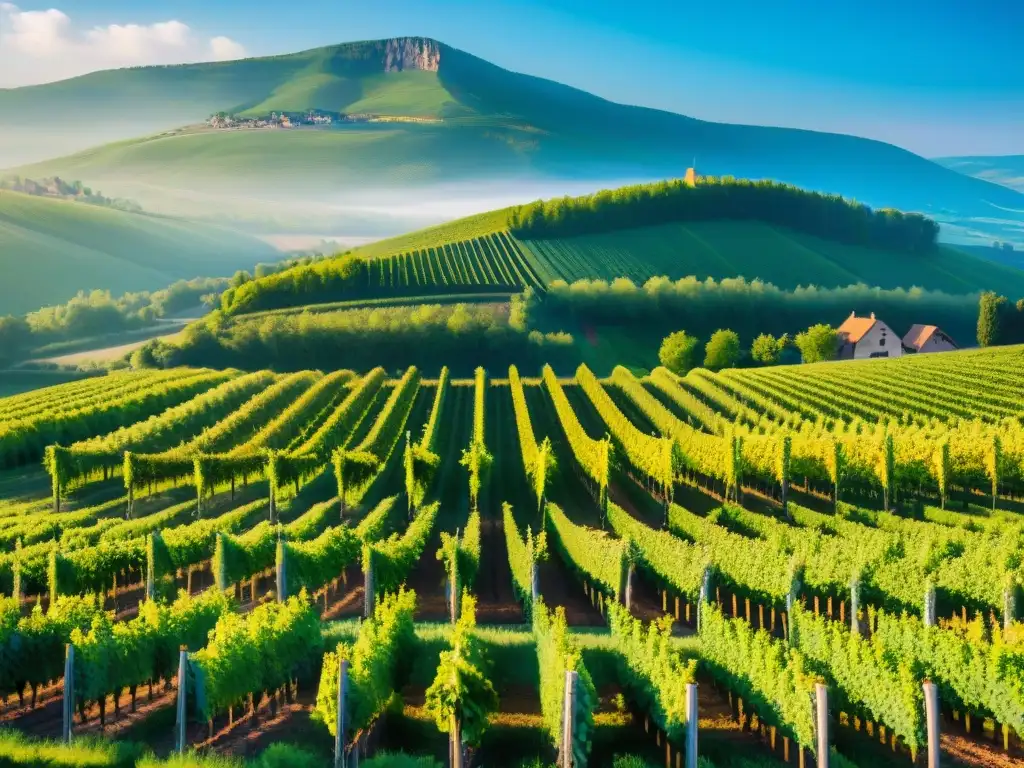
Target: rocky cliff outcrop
[{"x": 402, "y": 53}]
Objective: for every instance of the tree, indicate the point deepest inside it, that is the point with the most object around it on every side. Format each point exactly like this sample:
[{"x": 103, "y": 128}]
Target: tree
[
  {"x": 722, "y": 350},
  {"x": 768, "y": 349},
  {"x": 15, "y": 337},
  {"x": 818, "y": 343},
  {"x": 240, "y": 278},
  {"x": 990, "y": 307},
  {"x": 520, "y": 308},
  {"x": 678, "y": 352},
  {"x": 145, "y": 357}
]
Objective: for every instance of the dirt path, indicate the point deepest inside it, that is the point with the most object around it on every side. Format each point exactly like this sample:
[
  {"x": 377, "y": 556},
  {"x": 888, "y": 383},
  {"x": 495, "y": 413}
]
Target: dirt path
[
  {"x": 721, "y": 737},
  {"x": 559, "y": 589},
  {"x": 168, "y": 331},
  {"x": 506, "y": 482},
  {"x": 451, "y": 488},
  {"x": 959, "y": 749}
]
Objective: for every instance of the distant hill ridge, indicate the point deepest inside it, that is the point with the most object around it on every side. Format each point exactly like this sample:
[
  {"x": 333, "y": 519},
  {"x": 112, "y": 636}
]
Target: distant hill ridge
[{"x": 496, "y": 124}]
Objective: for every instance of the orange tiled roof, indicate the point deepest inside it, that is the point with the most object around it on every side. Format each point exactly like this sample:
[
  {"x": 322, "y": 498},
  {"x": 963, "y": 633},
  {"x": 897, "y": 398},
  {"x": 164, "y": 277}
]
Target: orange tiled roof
[
  {"x": 918, "y": 335},
  {"x": 854, "y": 328}
]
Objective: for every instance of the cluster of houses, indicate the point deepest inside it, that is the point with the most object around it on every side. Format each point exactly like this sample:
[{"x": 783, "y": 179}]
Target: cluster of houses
[
  {"x": 274, "y": 120},
  {"x": 224, "y": 121},
  {"x": 865, "y": 337}
]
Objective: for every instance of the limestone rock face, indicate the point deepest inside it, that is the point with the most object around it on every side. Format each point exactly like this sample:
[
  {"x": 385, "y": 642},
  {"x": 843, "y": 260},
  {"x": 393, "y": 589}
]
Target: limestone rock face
[{"x": 403, "y": 53}]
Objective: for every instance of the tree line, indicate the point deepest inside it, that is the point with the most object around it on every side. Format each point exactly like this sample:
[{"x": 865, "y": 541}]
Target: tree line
[
  {"x": 461, "y": 336},
  {"x": 648, "y": 312},
  {"x": 827, "y": 216},
  {"x": 98, "y": 313},
  {"x": 681, "y": 352}
]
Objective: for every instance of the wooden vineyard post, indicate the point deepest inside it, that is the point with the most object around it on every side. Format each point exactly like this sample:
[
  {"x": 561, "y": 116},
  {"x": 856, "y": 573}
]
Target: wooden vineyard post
[
  {"x": 929, "y": 606},
  {"x": 368, "y": 596},
  {"x": 821, "y": 700},
  {"x": 53, "y": 577},
  {"x": 16, "y": 572},
  {"x": 282, "y": 574},
  {"x": 705, "y": 589},
  {"x": 151, "y": 567},
  {"x": 931, "y": 709},
  {"x": 855, "y": 605},
  {"x": 455, "y": 743},
  {"x": 791, "y": 596},
  {"x": 410, "y": 475},
  {"x": 220, "y": 576},
  {"x": 182, "y": 712},
  {"x": 569, "y": 718},
  {"x": 339, "y": 725},
  {"x": 69, "y": 693},
  {"x": 627, "y": 586},
  {"x": 453, "y": 589},
  {"x": 534, "y": 582},
  {"x": 691, "y": 725},
  {"x": 1009, "y": 605}
]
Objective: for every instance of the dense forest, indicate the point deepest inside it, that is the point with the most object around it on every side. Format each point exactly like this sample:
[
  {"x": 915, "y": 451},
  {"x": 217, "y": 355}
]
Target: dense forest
[
  {"x": 748, "y": 307},
  {"x": 828, "y": 216},
  {"x": 462, "y": 335}
]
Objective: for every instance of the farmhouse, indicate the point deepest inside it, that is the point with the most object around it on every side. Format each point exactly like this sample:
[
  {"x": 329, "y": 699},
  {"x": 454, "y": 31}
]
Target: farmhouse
[
  {"x": 928, "y": 338},
  {"x": 862, "y": 337}
]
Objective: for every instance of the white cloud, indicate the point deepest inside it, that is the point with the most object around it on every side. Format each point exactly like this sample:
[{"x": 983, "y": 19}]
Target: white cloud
[
  {"x": 226, "y": 49},
  {"x": 43, "y": 46}
]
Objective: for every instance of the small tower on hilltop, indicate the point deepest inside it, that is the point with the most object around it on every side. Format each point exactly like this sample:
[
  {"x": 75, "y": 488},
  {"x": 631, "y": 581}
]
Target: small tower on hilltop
[{"x": 690, "y": 179}]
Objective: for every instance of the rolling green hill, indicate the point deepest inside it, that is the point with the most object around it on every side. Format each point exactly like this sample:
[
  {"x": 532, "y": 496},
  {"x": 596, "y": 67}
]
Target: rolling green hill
[
  {"x": 51, "y": 249},
  {"x": 493, "y": 124},
  {"x": 717, "y": 249},
  {"x": 484, "y": 254}
]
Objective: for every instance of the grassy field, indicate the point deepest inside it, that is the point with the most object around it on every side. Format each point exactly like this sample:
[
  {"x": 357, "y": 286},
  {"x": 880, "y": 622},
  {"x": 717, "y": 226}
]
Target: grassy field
[
  {"x": 717, "y": 249},
  {"x": 107, "y": 354},
  {"x": 51, "y": 249},
  {"x": 376, "y": 155}
]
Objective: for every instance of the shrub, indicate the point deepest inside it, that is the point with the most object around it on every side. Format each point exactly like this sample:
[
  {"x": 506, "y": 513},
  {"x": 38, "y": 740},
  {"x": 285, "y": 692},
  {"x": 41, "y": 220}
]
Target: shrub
[
  {"x": 722, "y": 350},
  {"x": 678, "y": 352},
  {"x": 818, "y": 343}
]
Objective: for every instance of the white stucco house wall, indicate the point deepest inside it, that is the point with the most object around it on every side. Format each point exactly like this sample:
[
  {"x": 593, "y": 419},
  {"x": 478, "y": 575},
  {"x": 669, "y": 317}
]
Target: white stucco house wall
[{"x": 865, "y": 337}]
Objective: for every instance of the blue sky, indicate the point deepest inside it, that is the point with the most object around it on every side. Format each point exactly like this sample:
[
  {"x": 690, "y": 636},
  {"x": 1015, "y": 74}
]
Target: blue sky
[{"x": 939, "y": 77}]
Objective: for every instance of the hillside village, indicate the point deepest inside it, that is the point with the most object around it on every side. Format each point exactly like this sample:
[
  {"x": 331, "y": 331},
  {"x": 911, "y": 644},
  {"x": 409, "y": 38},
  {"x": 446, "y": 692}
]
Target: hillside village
[
  {"x": 57, "y": 187},
  {"x": 313, "y": 118},
  {"x": 224, "y": 121}
]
